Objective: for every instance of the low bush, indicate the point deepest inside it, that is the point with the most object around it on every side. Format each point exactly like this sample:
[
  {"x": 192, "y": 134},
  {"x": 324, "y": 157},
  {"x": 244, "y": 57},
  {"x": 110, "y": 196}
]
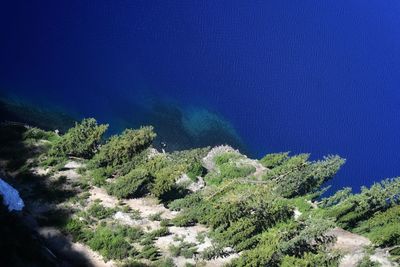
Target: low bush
[
  {"x": 100, "y": 175},
  {"x": 39, "y": 134},
  {"x": 110, "y": 243},
  {"x": 383, "y": 228},
  {"x": 80, "y": 141},
  {"x": 134, "y": 184},
  {"x": 367, "y": 262},
  {"x": 77, "y": 229},
  {"x": 149, "y": 252},
  {"x": 120, "y": 149},
  {"x": 185, "y": 249},
  {"x": 98, "y": 211},
  {"x": 155, "y": 216},
  {"x": 274, "y": 160}
]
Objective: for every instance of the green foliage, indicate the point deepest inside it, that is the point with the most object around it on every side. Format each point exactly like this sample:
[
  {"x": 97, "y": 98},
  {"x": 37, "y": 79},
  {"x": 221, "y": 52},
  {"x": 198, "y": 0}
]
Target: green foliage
[
  {"x": 383, "y": 228},
  {"x": 99, "y": 175},
  {"x": 271, "y": 161},
  {"x": 164, "y": 182},
  {"x": 166, "y": 262},
  {"x": 149, "y": 252},
  {"x": 120, "y": 149},
  {"x": 39, "y": 134},
  {"x": 155, "y": 216},
  {"x": 77, "y": 229},
  {"x": 98, "y": 211},
  {"x": 297, "y": 176},
  {"x": 80, "y": 141},
  {"x": 337, "y": 198},
  {"x": 110, "y": 243},
  {"x": 191, "y": 160},
  {"x": 185, "y": 249},
  {"x": 228, "y": 167},
  {"x": 367, "y": 262},
  {"x": 290, "y": 242},
  {"x": 236, "y": 213},
  {"x": 134, "y": 184},
  {"x": 360, "y": 207},
  {"x": 312, "y": 260},
  {"x": 131, "y": 233},
  {"x": 226, "y": 157},
  {"x": 194, "y": 170}
]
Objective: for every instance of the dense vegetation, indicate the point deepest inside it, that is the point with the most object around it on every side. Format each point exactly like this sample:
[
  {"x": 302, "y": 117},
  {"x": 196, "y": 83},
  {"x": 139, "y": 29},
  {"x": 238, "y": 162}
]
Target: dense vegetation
[{"x": 268, "y": 210}]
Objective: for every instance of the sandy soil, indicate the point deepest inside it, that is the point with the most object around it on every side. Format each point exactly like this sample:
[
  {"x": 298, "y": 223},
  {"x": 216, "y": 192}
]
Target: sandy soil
[
  {"x": 353, "y": 246},
  {"x": 61, "y": 247}
]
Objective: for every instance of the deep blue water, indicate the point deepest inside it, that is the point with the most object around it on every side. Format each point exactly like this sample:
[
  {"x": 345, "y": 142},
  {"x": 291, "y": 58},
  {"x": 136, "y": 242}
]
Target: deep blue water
[{"x": 304, "y": 76}]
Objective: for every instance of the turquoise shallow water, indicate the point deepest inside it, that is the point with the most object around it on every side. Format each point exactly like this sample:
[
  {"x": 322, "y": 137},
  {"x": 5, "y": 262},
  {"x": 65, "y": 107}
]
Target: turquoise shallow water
[{"x": 303, "y": 76}]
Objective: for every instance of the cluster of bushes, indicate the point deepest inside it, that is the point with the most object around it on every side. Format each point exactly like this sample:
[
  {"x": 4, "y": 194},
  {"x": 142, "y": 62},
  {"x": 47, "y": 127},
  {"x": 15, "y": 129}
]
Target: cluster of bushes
[
  {"x": 82, "y": 140},
  {"x": 237, "y": 214},
  {"x": 120, "y": 149},
  {"x": 383, "y": 228},
  {"x": 253, "y": 215},
  {"x": 296, "y": 175},
  {"x": 185, "y": 249},
  {"x": 111, "y": 243},
  {"x": 351, "y": 209},
  {"x": 133, "y": 184},
  {"x": 302, "y": 243},
  {"x": 228, "y": 166},
  {"x": 116, "y": 241},
  {"x": 100, "y": 212}
]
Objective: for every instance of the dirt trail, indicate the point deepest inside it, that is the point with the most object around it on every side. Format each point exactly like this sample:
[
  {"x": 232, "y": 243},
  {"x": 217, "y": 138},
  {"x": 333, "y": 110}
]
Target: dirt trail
[{"x": 57, "y": 244}]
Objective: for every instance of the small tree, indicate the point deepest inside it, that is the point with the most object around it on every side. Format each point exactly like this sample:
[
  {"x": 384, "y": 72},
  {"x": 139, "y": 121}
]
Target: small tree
[
  {"x": 80, "y": 141},
  {"x": 121, "y": 148}
]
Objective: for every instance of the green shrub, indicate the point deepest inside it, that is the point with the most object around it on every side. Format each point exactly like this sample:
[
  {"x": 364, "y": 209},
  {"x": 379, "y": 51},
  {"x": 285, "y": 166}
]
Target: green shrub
[
  {"x": 133, "y": 234},
  {"x": 360, "y": 207},
  {"x": 185, "y": 249},
  {"x": 183, "y": 221},
  {"x": 367, "y": 262},
  {"x": 133, "y": 263},
  {"x": 110, "y": 244},
  {"x": 77, "y": 229},
  {"x": 383, "y": 228},
  {"x": 98, "y": 211},
  {"x": 149, "y": 252},
  {"x": 226, "y": 158},
  {"x": 311, "y": 260},
  {"x": 164, "y": 182},
  {"x": 163, "y": 231},
  {"x": 100, "y": 175},
  {"x": 297, "y": 176},
  {"x": 39, "y": 134},
  {"x": 274, "y": 160},
  {"x": 155, "y": 216},
  {"x": 134, "y": 184},
  {"x": 194, "y": 170},
  {"x": 120, "y": 149},
  {"x": 80, "y": 141},
  {"x": 165, "y": 222},
  {"x": 229, "y": 170},
  {"x": 166, "y": 262}
]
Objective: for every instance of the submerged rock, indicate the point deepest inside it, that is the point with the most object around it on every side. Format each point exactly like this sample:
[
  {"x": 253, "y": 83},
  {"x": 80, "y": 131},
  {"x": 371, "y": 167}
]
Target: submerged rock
[{"x": 11, "y": 197}]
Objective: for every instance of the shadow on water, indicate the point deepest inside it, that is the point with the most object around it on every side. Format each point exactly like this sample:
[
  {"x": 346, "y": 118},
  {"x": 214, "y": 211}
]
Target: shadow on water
[{"x": 43, "y": 118}]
